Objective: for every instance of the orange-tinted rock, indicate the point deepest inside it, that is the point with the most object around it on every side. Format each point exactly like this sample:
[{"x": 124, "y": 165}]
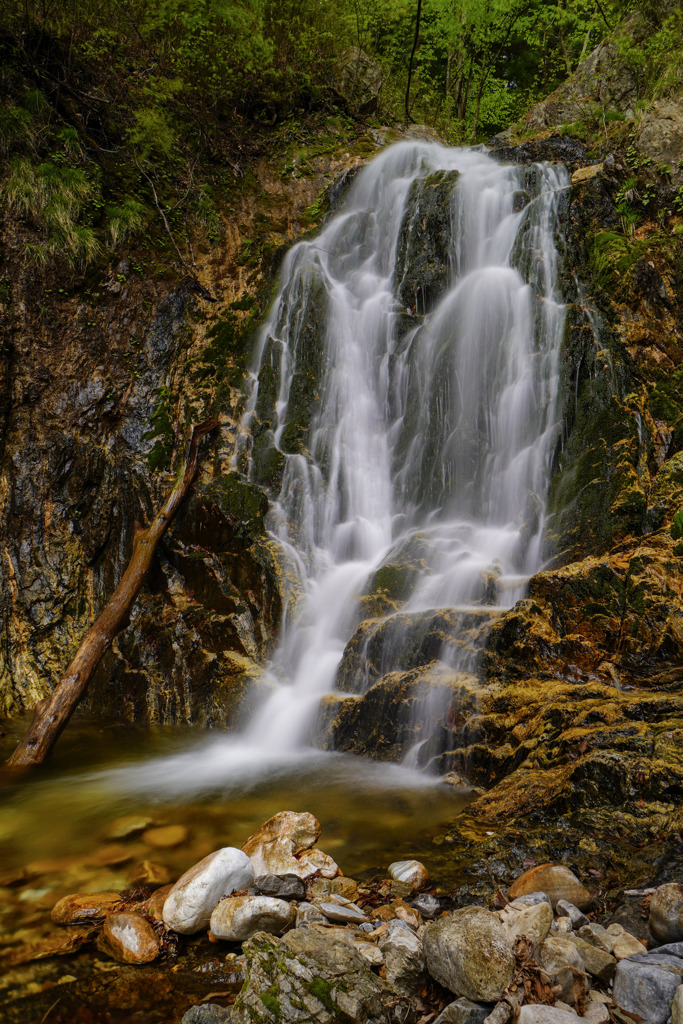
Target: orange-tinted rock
[
  {"x": 166, "y": 835},
  {"x": 282, "y": 845},
  {"x": 155, "y": 904},
  {"x": 556, "y": 881},
  {"x": 129, "y": 939},
  {"x": 79, "y": 907},
  {"x": 301, "y": 829}
]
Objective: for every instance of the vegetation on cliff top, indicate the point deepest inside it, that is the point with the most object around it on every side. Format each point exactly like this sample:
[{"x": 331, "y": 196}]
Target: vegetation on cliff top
[{"x": 127, "y": 117}]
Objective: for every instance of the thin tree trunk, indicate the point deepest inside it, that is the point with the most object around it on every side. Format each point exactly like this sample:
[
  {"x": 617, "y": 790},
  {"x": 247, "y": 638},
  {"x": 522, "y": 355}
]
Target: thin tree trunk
[
  {"x": 412, "y": 55},
  {"x": 52, "y": 714}
]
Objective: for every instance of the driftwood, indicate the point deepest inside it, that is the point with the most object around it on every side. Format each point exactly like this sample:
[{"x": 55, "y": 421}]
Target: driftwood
[{"x": 53, "y": 712}]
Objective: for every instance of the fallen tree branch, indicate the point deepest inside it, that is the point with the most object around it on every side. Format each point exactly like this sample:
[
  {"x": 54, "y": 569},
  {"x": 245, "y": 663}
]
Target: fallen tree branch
[{"x": 53, "y": 712}]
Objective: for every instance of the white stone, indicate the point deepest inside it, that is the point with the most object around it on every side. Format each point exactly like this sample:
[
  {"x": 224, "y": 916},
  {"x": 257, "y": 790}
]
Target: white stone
[
  {"x": 238, "y": 918},
  {"x": 190, "y": 902},
  {"x": 410, "y": 871}
]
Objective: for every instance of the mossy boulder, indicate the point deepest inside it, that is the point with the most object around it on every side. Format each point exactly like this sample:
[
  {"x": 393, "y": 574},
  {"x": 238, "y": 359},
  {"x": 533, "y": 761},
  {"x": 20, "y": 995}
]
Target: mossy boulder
[{"x": 308, "y": 977}]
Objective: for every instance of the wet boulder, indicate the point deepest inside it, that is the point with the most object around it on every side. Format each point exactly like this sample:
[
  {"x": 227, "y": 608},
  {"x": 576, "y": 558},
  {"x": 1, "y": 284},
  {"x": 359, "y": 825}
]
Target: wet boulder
[
  {"x": 128, "y": 938},
  {"x": 284, "y": 845},
  {"x": 189, "y": 904}
]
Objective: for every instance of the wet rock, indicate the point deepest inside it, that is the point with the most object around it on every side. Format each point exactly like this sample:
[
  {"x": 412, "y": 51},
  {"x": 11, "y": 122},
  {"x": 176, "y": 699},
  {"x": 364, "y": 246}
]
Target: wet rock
[
  {"x": 464, "y": 1011},
  {"x": 129, "y": 939},
  {"x": 80, "y": 907},
  {"x": 645, "y": 986},
  {"x": 565, "y": 909},
  {"x": 207, "y": 1013},
  {"x": 166, "y": 836},
  {"x": 343, "y": 913},
  {"x": 562, "y": 962},
  {"x": 427, "y": 905},
  {"x": 533, "y": 921},
  {"x": 410, "y": 871},
  {"x": 192, "y": 899},
  {"x": 305, "y": 976},
  {"x": 599, "y": 963},
  {"x": 285, "y": 887},
  {"x": 403, "y": 958},
  {"x": 557, "y": 881},
  {"x": 154, "y": 906},
  {"x": 282, "y": 846},
  {"x": 536, "y": 1013},
  {"x": 666, "y": 913},
  {"x": 238, "y": 918},
  {"x": 467, "y": 952}
]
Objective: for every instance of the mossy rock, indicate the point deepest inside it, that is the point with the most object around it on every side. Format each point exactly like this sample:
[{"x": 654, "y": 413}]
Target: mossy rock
[{"x": 422, "y": 271}]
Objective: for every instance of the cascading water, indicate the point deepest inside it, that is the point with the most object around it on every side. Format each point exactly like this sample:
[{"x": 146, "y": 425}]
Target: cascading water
[
  {"x": 403, "y": 396},
  {"x": 402, "y": 409},
  {"x": 427, "y": 429}
]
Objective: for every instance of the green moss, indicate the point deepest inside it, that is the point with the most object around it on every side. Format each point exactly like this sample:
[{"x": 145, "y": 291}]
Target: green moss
[
  {"x": 270, "y": 1001},
  {"x": 322, "y": 989},
  {"x": 162, "y": 433},
  {"x": 242, "y": 503}
]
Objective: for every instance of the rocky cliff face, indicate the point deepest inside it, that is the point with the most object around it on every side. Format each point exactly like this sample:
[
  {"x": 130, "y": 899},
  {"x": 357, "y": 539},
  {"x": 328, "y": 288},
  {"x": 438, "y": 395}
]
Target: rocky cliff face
[{"x": 100, "y": 381}]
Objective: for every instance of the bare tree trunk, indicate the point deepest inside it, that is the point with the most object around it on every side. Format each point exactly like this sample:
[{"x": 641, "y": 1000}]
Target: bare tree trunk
[{"x": 53, "y": 712}]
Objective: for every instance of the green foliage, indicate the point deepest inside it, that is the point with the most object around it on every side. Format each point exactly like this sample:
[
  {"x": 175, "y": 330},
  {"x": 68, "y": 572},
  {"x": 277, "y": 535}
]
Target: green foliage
[
  {"x": 677, "y": 526},
  {"x": 55, "y": 196}
]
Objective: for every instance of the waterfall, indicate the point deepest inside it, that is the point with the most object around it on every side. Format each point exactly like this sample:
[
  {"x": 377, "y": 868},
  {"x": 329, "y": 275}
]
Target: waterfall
[{"x": 402, "y": 405}]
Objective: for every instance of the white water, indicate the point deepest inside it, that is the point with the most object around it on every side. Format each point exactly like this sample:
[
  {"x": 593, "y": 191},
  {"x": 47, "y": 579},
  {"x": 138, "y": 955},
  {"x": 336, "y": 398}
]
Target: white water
[
  {"x": 439, "y": 436},
  {"x": 444, "y": 434}
]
